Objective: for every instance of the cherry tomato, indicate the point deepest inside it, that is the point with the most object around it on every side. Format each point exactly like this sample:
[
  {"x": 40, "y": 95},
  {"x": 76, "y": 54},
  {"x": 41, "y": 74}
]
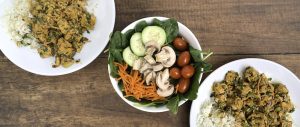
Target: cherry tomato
[
  {"x": 183, "y": 85},
  {"x": 184, "y": 58},
  {"x": 180, "y": 44},
  {"x": 175, "y": 73},
  {"x": 187, "y": 71}
]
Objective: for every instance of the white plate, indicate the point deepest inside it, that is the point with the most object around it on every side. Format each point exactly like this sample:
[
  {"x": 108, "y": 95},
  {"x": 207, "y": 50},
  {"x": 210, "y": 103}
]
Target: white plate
[
  {"x": 29, "y": 60},
  {"x": 277, "y": 72},
  {"x": 186, "y": 34}
]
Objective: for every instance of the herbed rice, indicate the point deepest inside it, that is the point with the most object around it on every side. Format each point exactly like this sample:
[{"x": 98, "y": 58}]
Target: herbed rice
[
  {"x": 209, "y": 116},
  {"x": 17, "y": 27}
]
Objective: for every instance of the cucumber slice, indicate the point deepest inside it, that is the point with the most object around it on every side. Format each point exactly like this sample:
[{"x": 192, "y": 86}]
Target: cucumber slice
[
  {"x": 136, "y": 44},
  {"x": 154, "y": 33},
  {"x": 129, "y": 57}
]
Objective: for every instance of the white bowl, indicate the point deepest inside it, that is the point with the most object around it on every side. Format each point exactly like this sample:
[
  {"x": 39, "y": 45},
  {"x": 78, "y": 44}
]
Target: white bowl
[
  {"x": 29, "y": 60},
  {"x": 186, "y": 34}
]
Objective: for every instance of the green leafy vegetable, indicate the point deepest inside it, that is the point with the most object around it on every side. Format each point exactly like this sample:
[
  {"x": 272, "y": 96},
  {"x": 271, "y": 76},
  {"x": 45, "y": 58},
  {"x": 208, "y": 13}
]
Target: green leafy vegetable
[
  {"x": 172, "y": 29},
  {"x": 192, "y": 93},
  {"x": 113, "y": 68},
  {"x": 124, "y": 41},
  {"x": 117, "y": 43},
  {"x": 157, "y": 22},
  {"x": 117, "y": 54},
  {"x": 173, "y": 103},
  {"x": 129, "y": 33},
  {"x": 199, "y": 64},
  {"x": 197, "y": 54},
  {"x": 140, "y": 26},
  {"x": 116, "y": 40},
  {"x": 121, "y": 86},
  {"x": 206, "y": 67}
]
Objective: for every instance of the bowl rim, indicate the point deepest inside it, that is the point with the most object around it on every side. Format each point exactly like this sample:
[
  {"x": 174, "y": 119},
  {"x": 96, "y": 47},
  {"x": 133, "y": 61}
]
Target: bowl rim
[{"x": 115, "y": 84}]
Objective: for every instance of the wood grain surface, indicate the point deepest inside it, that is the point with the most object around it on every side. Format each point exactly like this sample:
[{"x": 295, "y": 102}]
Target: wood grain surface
[{"x": 233, "y": 29}]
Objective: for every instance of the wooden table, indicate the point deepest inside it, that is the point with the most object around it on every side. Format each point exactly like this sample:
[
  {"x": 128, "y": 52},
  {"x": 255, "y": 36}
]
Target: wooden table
[{"x": 233, "y": 29}]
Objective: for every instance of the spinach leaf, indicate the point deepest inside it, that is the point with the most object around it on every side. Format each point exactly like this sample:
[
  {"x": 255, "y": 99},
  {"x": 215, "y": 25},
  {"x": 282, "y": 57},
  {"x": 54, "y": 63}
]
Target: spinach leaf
[
  {"x": 157, "y": 22},
  {"x": 140, "y": 26},
  {"x": 172, "y": 29},
  {"x": 124, "y": 41},
  {"x": 117, "y": 43},
  {"x": 115, "y": 40},
  {"x": 196, "y": 54},
  {"x": 117, "y": 54},
  {"x": 207, "y": 67},
  {"x": 199, "y": 64},
  {"x": 173, "y": 103},
  {"x": 129, "y": 33},
  {"x": 113, "y": 68},
  {"x": 121, "y": 86},
  {"x": 194, "y": 86}
]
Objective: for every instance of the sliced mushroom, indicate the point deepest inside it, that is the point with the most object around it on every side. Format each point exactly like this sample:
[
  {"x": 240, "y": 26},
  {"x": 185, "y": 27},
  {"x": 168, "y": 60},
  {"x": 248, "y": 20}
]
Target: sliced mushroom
[
  {"x": 150, "y": 77},
  {"x": 150, "y": 59},
  {"x": 150, "y": 51},
  {"x": 165, "y": 93},
  {"x": 162, "y": 56},
  {"x": 153, "y": 44},
  {"x": 151, "y": 47},
  {"x": 162, "y": 79},
  {"x": 165, "y": 85},
  {"x": 145, "y": 67},
  {"x": 157, "y": 67},
  {"x": 166, "y": 56},
  {"x": 138, "y": 64},
  {"x": 165, "y": 74},
  {"x": 147, "y": 72}
]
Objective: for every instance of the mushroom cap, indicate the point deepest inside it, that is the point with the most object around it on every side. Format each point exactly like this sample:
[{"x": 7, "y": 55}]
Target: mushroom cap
[
  {"x": 153, "y": 44},
  {"x": 151, "y": 47},
  {"x": 150, "y": 77},
  {"x": 146, "y": 72},
  {"x": 137, "y": 64},
  {"x": 145, "y": 67},
  {"x": 166, "y": 56},
  {"x": 150, "y": 51},
  {"x": 165, "y": 93},
  {"x": 162, "y": 79},
  {"x": 150, "y": 59},
  {"x": 162, "y": 56},
  {"x": 157, "y": 67}
]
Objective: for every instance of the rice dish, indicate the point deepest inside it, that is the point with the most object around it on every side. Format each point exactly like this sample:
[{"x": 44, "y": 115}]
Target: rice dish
[
  {"x": 209, "y": 116},
  {"x": 16, "y": 25}
]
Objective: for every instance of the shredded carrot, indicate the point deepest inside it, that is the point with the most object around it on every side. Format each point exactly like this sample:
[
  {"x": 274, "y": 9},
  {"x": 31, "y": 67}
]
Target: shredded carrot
[{"x": 134, "y": 85}]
